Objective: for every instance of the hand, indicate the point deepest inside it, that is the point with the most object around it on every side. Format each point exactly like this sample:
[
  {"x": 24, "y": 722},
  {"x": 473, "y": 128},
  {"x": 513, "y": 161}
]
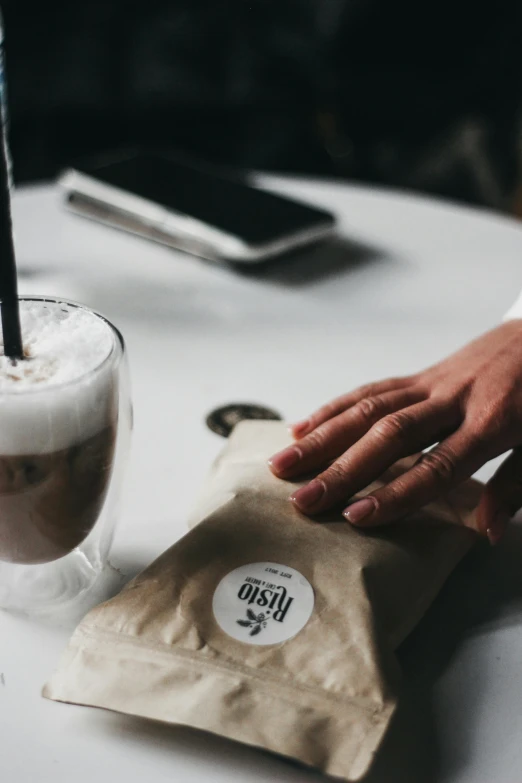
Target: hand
[{"x": 470, "y": 405}]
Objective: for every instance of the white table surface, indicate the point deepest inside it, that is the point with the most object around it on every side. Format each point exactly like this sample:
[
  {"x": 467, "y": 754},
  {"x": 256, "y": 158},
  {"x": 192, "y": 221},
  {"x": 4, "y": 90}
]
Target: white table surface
[{"x": 409, "y": 280}]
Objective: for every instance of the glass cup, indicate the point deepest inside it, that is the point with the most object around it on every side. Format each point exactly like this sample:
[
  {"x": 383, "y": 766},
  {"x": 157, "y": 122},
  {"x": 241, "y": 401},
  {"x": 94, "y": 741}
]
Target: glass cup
[{"x": 63, "y": 453}]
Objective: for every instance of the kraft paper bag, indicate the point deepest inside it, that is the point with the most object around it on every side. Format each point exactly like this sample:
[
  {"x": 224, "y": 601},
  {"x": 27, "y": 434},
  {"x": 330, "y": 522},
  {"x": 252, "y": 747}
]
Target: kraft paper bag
[{"x": 267, "y": 627}]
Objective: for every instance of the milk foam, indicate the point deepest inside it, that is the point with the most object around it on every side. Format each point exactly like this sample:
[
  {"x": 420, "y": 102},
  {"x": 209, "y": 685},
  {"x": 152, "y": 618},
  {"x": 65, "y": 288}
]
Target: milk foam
[
  {"x": 64, "y": 391},
  {"x": 61, "y": 344}
]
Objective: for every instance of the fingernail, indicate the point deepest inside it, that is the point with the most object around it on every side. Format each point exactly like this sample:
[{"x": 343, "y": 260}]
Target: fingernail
[
  {"x": 308, "y": 496},
  {"x": 360, "y": 510},
  {"x": 285, "y": 459},
  {"x": 301, "y": 428},
  {"x": 497, "y": 528}
]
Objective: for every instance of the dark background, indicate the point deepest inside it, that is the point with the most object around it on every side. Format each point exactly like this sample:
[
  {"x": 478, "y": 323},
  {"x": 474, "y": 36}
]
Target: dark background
[{"x": 420, "y": 95}]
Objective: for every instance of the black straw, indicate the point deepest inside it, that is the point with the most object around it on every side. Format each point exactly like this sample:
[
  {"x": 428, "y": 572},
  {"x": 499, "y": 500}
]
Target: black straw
[{"x": 8, "y": 278}]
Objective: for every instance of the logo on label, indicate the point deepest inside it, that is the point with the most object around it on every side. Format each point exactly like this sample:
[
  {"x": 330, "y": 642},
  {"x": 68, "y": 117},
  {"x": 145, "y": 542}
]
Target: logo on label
[{"x": 263, "y": 603}]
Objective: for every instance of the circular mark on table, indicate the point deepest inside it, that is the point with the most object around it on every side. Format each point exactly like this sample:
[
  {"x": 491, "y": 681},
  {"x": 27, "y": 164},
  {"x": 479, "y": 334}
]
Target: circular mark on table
[{"x": 223, "y": 420}]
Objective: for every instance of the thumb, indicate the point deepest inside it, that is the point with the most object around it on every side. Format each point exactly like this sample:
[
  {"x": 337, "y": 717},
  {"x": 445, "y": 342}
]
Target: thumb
[{"x": 501, "y": 498}]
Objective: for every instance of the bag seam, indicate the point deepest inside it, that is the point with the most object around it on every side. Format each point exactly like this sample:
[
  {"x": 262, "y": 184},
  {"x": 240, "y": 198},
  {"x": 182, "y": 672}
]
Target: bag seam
[{"x": 223, "y": 668}]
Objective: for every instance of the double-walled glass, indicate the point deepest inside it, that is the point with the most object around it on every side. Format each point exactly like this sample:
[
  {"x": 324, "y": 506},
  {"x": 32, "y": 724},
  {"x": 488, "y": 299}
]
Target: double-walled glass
[{"x": 63, "y": 451}]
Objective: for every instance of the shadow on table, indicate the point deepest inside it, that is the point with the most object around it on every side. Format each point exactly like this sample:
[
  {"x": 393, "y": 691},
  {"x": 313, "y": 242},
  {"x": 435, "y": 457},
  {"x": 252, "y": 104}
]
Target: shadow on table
[
  {"x": 328, "y": 259},
  {"x": 484, "y": 593},
  {"x": 208, "y": 751},
  {"x": 200, "y": 304}
]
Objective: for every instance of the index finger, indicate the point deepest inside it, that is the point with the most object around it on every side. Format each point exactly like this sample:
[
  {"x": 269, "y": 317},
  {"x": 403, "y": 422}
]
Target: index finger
[{"x": 341, "y": 404}]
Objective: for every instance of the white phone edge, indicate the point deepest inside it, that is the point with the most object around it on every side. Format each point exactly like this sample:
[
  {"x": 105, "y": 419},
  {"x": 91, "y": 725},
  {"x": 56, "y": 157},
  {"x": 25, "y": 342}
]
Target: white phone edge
[{"x": 123, "y": 210}]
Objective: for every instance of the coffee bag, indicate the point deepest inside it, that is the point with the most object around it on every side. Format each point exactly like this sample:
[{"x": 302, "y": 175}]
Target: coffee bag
[{"x": 267, "y": 627}]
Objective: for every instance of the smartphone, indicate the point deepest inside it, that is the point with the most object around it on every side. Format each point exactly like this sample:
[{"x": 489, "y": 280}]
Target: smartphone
[{"x": 192, "y": 208}]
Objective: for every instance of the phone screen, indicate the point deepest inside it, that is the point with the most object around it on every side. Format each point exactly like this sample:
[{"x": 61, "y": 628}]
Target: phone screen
[{"x": 236, "y": 208}]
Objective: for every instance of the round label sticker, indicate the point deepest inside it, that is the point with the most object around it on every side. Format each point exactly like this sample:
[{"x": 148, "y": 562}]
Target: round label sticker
[{"x": 263, "y": 603}]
